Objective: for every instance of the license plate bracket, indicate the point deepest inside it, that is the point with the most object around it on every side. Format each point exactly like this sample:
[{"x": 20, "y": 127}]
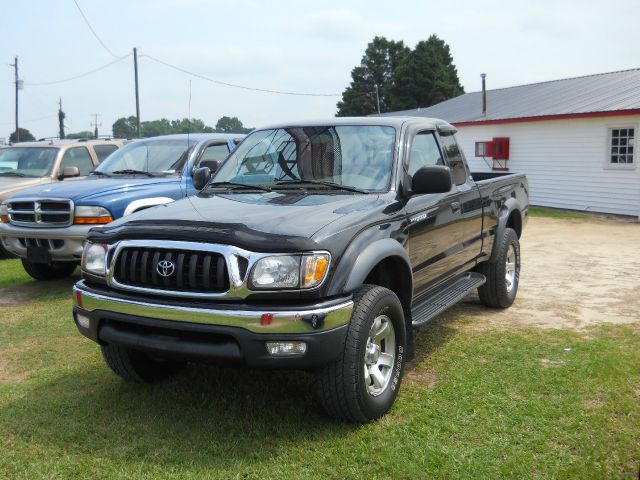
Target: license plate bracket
[{"x": 37, "y": 254}]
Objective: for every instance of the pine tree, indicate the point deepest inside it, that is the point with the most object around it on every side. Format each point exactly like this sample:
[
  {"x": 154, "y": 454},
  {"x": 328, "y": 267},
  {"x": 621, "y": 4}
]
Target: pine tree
[
  {"x": 425, "y": 77},
  {"x": 377, "y": 67}
]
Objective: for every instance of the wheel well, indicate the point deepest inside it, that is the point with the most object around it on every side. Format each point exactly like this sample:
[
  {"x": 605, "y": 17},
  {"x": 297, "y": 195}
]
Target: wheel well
[
  {"x": 515, "y": 222},
  {"x": 394, "y": 273}
]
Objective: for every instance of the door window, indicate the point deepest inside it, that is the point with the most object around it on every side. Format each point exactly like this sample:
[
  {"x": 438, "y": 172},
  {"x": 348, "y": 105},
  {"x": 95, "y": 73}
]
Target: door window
[
  {"x": 213, "y": 153},
  {"x": 424, "y": 152},
  {"x": 77, "y": 157}
]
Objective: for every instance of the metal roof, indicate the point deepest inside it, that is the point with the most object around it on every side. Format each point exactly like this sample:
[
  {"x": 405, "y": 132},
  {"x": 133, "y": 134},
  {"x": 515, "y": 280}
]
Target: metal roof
[{"x": 604, "y": 92}]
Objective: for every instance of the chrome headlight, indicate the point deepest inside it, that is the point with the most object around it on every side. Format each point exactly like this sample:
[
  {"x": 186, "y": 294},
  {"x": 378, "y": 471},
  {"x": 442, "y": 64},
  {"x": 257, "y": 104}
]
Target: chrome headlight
[
  {"x": 94, "y": 259},
  {"x": 91, "y": 215},
  {"x": 289, "y": 271}
]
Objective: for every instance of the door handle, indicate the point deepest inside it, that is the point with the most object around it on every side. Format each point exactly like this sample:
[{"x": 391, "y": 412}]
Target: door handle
[{"x": 455, "y": 206}]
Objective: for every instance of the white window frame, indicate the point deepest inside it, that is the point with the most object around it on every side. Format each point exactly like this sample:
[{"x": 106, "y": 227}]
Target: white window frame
[{"x": 608, "y": 165}]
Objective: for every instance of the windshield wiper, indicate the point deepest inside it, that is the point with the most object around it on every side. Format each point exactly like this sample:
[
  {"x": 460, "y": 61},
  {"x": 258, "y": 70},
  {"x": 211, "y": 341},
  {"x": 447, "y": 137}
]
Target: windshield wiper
[
  {"x": 13, "y": 174},
  {"x": 337, "y": 186},
  {"x": 247, "y": 186},
  {"x": 96, "y": 172},
  {"x": 129, "y": 171}
]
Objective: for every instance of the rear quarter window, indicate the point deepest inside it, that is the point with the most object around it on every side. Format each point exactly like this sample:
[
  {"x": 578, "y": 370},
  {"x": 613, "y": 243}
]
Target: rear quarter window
[{"x": 103, "y": 151}]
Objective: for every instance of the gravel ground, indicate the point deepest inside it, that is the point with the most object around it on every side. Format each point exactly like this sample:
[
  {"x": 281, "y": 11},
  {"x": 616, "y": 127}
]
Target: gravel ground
[{"x": 574, "y": 274}]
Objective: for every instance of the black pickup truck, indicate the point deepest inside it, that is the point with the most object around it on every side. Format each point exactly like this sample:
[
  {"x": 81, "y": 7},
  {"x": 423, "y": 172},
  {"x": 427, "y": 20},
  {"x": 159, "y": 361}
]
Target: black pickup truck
[{"x": 319, "y": 246}]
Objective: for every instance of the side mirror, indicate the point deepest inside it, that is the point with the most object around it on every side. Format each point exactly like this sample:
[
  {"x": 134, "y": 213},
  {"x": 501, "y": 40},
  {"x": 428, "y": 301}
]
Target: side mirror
[
  {"x": 434, "y": 179},
  {"x": 200, "y": 177},
  {"x": 68, "y": 172}
]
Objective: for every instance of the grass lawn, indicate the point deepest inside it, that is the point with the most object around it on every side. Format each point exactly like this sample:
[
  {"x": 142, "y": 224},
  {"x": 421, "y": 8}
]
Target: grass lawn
[
  {"x": 557, "y": 213},
  {"x": 478, "y": 402}
]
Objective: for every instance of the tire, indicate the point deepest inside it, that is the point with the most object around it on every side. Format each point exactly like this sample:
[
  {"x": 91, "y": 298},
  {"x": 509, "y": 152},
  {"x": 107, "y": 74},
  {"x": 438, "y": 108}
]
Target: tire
[
  {"x": 136, "y": 366},
  {"x": 49, "y": 271},
  {"x": 499, "y": 291},
  {"x": 4, "y": 253},
  {"x": 345, "y": 388}
]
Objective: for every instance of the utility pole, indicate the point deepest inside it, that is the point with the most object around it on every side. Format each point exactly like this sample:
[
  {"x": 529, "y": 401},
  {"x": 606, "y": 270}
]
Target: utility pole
[
  {"x": 135, "y": 71},
  {"x": 17, "y": 82},
  {"x": 61, "y": 116},
  {"x": 96, "y": 124},
  {"x": 378, "y": 98}
]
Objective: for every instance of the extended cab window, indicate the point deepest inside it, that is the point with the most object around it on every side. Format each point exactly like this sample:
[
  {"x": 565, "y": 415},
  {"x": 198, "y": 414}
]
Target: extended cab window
[
  {"x": 424, "y": 152},
  {"x": 103, "y": 151},
  {"x": 77, "y": 157},
  {"x": 454, "y": 158}
]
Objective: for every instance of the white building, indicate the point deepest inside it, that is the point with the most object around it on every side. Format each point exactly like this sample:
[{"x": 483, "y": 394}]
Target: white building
[{"x": 576, "y": 138}]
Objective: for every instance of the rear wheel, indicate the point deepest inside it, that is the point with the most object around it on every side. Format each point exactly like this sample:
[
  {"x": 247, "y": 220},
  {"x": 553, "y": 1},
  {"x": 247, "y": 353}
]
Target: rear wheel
[
  {"x": 136, "y": 366},
  {"x": 503, "y": 274},
  {"x": 49, "y": 271},
  {"x": 363, "y": 383}
]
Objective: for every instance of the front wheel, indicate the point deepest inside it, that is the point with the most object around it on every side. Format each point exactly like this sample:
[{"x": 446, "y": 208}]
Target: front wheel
[
  {"x": 503, "y": 274},
  {"x": 362, "y": 384},
  {"x": 49, "y": 271}
]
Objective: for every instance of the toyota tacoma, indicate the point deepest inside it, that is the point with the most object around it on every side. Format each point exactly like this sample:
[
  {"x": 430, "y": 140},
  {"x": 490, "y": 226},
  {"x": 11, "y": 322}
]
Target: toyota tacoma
[{"x": 317, "y": 246}]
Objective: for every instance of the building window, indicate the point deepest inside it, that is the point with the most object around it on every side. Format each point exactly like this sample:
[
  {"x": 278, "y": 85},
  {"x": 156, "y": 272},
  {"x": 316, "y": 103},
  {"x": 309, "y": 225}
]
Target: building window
[{"x": 621, "y": 146}]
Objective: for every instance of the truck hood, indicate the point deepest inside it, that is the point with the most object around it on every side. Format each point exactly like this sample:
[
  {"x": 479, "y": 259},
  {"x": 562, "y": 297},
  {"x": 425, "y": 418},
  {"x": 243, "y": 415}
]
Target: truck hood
[
  {"x": 95, "y": 189},
  {"x": 272, "y": 221},
  {"x": 11, "y": 185}
]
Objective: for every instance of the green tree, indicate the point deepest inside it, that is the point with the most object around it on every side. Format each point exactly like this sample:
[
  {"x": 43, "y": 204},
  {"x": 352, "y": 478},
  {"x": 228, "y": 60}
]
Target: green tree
[
  {"x": 425, "y": 77},
  {"x": 195, "y": 125},
  {"x": 377, "y": 67},
  {"x": 24, "y": 136},
  {"x": 230, "y": 125},
  {"x": 124, "y": 127},
  {"x": 83, "y": 134},
  {"x": 154, "y": 128}
]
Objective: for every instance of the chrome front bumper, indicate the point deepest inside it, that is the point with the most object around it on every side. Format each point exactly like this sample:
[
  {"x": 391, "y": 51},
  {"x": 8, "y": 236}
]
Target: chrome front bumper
[
  {"x": 303, "y": 320},
  {"x": 15, "y": 240}
]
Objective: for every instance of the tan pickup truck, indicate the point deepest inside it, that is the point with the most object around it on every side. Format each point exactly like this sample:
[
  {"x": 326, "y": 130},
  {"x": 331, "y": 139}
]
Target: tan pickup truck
[{"x": 27, "y": 164}]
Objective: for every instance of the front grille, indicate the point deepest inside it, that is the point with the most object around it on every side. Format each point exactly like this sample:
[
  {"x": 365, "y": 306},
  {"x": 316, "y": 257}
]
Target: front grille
[
  {"x": 41, "y": 213},
  {"x": 186, "y": 271}
]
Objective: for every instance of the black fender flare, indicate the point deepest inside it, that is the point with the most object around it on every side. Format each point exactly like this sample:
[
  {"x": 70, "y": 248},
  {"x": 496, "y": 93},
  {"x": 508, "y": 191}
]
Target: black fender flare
[
  {"x": 509, "y": 206},
  {"x": 350, "y": 275}
]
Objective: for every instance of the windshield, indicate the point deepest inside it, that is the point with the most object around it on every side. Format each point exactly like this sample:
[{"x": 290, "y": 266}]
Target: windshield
[
  {"x": 358, "y": 156},
  {"x": 158, "y": 157},
  {"x": 27, "y": 161}
]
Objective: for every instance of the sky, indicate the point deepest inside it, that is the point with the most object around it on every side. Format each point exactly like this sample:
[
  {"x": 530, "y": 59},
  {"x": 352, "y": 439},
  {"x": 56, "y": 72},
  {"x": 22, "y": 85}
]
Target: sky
[{"x": 300, "y": 46}]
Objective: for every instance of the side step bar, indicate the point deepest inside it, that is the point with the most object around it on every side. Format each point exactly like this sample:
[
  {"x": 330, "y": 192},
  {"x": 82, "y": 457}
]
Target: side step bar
[{"x": 445, "y": 296}]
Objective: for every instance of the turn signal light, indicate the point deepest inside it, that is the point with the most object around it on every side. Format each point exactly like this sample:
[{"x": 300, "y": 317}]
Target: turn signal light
[
  {"x": 92, "y": 220},
  {"x": 4, "y": 218},
  {"x": 314, "y": 269}
]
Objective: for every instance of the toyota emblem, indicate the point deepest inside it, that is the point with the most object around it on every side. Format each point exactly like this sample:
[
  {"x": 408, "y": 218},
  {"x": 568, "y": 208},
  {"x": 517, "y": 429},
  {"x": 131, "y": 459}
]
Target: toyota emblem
[{"x": 165, "y": 268}]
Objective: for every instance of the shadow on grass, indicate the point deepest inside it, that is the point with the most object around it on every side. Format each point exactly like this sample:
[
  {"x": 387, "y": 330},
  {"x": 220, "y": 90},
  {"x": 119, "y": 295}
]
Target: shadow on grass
[
  {"x": 204, "y": 417},
  {"x": 25, "y": 290}
]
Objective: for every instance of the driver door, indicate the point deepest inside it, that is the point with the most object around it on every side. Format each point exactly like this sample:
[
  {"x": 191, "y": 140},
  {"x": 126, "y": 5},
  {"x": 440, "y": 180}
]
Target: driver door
[{"x": 434, "y": 228}]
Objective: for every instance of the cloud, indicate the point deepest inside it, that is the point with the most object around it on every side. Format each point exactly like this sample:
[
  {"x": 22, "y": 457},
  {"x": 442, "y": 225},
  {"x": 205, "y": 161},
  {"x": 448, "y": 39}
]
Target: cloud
[{"x": 336, "y": 25}]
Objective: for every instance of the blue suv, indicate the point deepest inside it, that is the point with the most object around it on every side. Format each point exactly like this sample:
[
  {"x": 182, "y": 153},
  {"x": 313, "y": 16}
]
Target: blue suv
[{"x": 46, "y": 225}]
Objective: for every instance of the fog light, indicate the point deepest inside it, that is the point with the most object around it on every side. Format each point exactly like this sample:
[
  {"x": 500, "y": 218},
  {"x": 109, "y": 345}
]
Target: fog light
[
  {"x": 283, "y": 349},
  {"x": 82, "y": 320}
]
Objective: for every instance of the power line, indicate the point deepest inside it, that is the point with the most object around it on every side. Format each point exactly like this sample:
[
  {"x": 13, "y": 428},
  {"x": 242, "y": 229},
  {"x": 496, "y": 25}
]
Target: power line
[
  {"x": 119, "y": 59},
  {"x": 31, "y": 120},
  {"x": 86, "y": 20},
  {"x": 244, "y": 87}
]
